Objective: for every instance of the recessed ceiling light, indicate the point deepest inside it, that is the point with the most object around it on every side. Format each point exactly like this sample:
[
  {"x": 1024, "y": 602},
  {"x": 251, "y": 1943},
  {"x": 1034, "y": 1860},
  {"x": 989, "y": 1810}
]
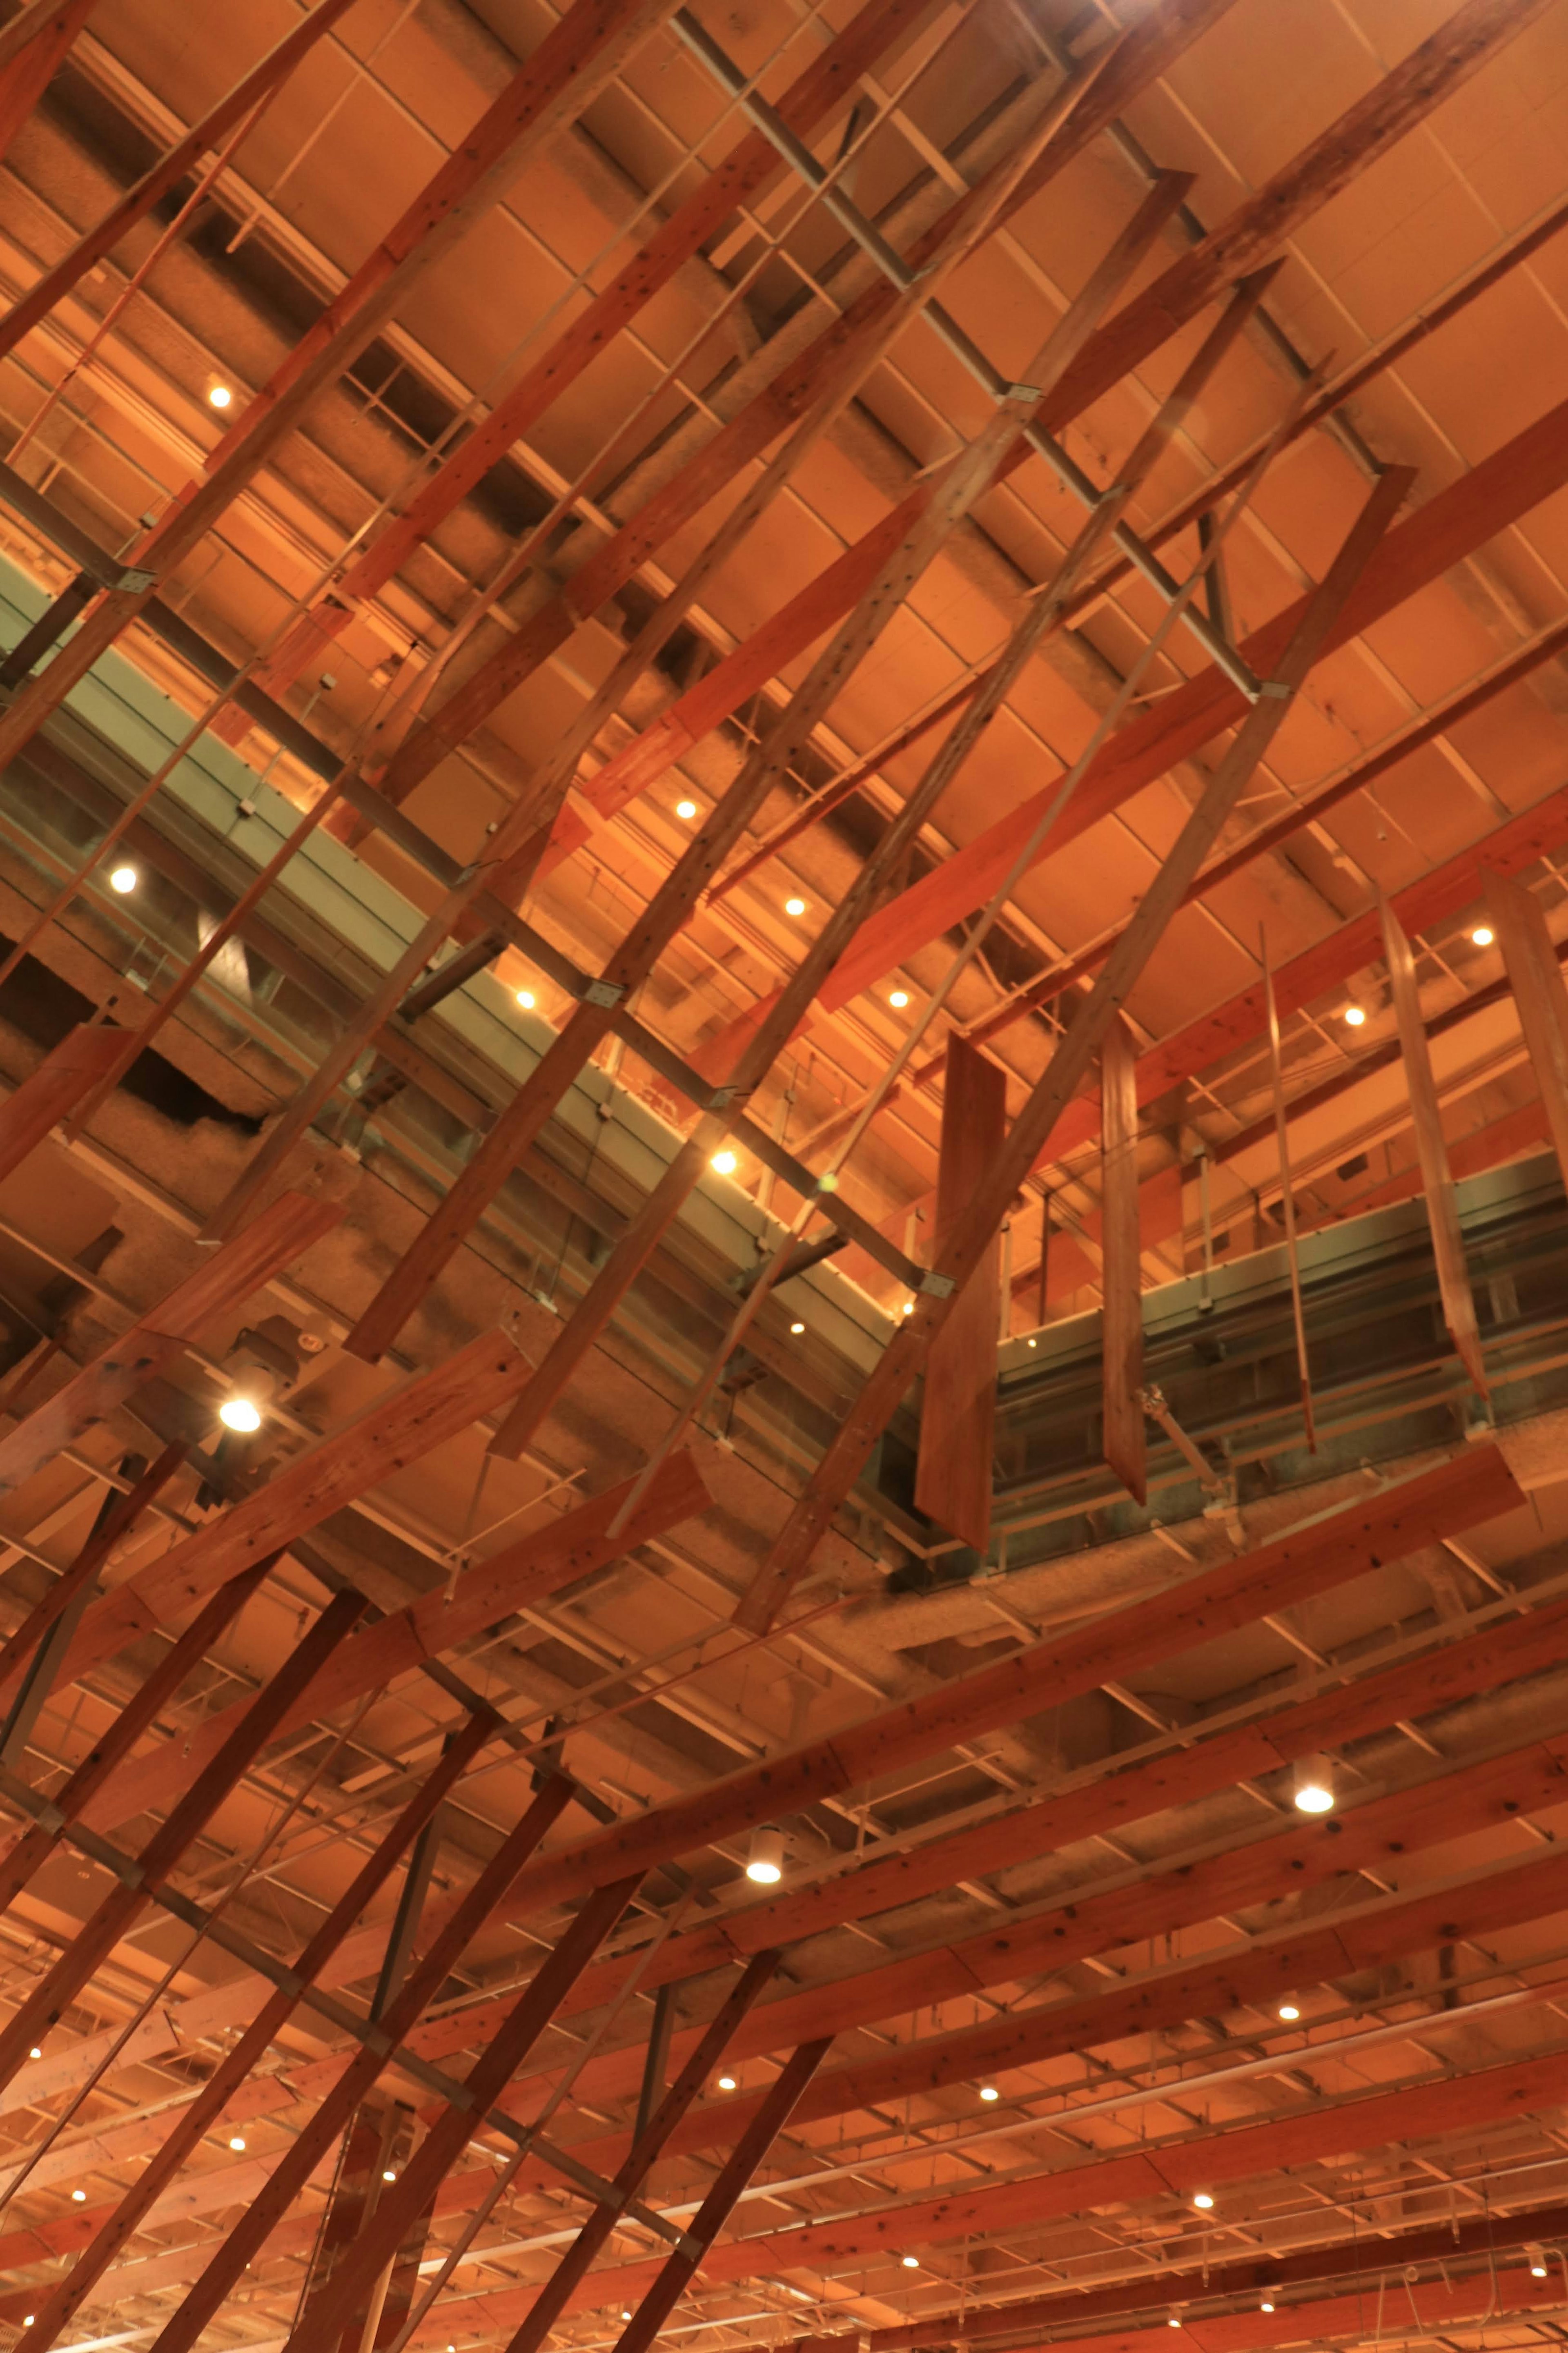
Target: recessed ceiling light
[
  {"x": 1315, "y": 1786},
  {"x": 989, "y": 2092},
  {"x": 687, "y": 809},
  {"x": 123, "y": 879},
  {"x": 898, "y": 998},
  {"x": 724, "y": 1163},
  {"x": 240, "y": 1413},
  {"x": 795, "y": 906},
  {"x": 526, "y": 999},
  {"x": 1354, "y": 1015},
  {"x": 220, "y": 395},
  {"x": 1483, "y": 936},
  {"x": 911, "y": 2262},
  {"x": 797, "y": 1329}
]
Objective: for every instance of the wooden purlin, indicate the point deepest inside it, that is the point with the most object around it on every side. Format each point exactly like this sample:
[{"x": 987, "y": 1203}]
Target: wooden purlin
[
  {"x": 1287, "y": 1194},
  {"x": 828, "y": 83},
  {"x": 582, "y": 49},
  {"x": 1474, "y": 1487},
  {"x": 255, "y": 2226},
  {"x": 519, "y": 1576},
  {"x": 282, "y": 1233},
  {"x": 1125, "y": 1441},
  {"x": 949, "y": 497},
  {"x": 650, "y": 2140},
  {"x": 845, "y": 1457},
  {"x": 1450, "y": 526},
  {"x": 60, "y": 1081},
  {"x": 1530, "y": 961},
  {"x": 92, "y": 1944},
  {"x": 1162, "y": 35},
  {"x": 236, "y": 2064},
  {"x": 1255, "y": 232},
  {"x": 27, "y": 74},
  {"x": 95, "y": 243},
  {"x": 778, "y": 2103},
  {"x": 20, "y": 1646},
  {"x": 958, "y": 1410},
  {"x": 446, "y": 2137},
  {"x": 1431, "y": 1151}
]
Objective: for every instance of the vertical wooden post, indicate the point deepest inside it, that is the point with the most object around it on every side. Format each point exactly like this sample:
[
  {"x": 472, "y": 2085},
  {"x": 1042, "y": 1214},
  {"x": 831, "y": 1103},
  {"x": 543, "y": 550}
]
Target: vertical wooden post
[
  {"x": 1126, "y": 1441},
  {"x": 958, "y": 1418},
  {"x": 1431, "y": 1151},
  {"x": 1536, "y": 980},
  {"x": 1287, "y": 1196}
]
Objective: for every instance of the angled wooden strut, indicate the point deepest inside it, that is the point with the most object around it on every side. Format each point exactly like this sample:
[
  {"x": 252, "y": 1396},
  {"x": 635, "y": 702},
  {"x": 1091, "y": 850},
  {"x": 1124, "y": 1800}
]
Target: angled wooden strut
[
  {"x": 58, "y": 1084},
  {"x": 845, "y": 1457},
  {"x": 256, "y": 2225},
  {"x": 520, "y": 1577},
  {"x": 948, "y": 498},
  {"x": 37, "y": 43},
  {"x": 167, "y": 173},
  {"x": 596, "y": 2231},
  {"x": 1535, "y": 977},
  {"x": 958, "y": 1412},
  {"x": 449, "y": 2134},
  {"x": 196, "y": 2120},
  {"x": 1432, "y": 1150},
  {"x": 1287, "y": 1196},
  {"x": 282, "y": 1233},
  {"x": 100, "y": 1931},
  {"x": 1125, "y": 1441},
  {"x": 1474, "y": 1487},
  {"x": 582, "y": 49}
]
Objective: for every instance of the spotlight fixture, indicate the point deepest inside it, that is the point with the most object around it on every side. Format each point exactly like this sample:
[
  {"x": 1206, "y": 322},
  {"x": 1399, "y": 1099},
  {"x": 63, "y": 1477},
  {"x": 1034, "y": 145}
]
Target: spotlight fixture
[
  {"x": 724, "y": 1164},
  {"x": 989, "y": 2092},
  {"x": 624, "y": 2314},
  {"x": 726, "y": 2083},
  {"x": 220, "y": 395},
  {"x": 526, "y": 999},
  {"x": 122, "y": 880},
  {"x": 389, "y": 2174},
  {"x": 1314, "y": 1786},
  {"x": 1354, "y": 1015},
  {"x": 1289, "y": 2009},
  {"x": 797, "y": 1329},
  {"x": 1265, "y": 2301},
  {"x": 911, "y": 2262},
  {"x": 795, "y": 906},
  {"x": 1537, "y": 2255},
  {"x": 909, "y": 1308},
  {"x": 79, "y": 2197},
  {"x": 237, "y": 2142},
  {"x": 240, "y": 1413},
  {"x": 1203, "y": 2200},
  {"x": 1172, "y": 2318},
  {"x": 686, "y": 810},
  {"x": 35, "y": 2053},
  {"x": 1482, "y": 936},
  {"x": 898, "y": 998},
  {"x": 764, "y": 1863}
]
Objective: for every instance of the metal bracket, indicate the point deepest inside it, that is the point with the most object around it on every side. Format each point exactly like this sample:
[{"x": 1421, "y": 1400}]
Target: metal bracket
[
  {"x": 604, "y": 992},
  {"x": 136, "y": 584},
  {"x": 937, "y": 1286}
]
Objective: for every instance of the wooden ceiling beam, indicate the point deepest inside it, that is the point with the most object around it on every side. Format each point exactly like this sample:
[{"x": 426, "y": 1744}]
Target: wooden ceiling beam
[
  {"x": 32, "y": 63},
  {"x": 1029, "y": 1136},
  {"x": 59, "y": 1083}
]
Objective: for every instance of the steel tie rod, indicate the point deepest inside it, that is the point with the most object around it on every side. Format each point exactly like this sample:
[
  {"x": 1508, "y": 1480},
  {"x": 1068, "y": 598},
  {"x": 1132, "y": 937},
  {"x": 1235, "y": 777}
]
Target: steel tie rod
[{"x": 871, "y": 241}]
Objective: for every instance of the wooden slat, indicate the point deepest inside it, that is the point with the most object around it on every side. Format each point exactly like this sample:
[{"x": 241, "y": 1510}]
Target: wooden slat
[
  {"x": 261, "y": 2028},
  {"x": 1431, "y": 1151},
  {"x": 1125, "y": 1442},
  {"x": 253, "y": 2227},
  {"x": 445, "y": 2138},
  {"x": 846, "y": 1456},
  {"x": 958, "y": 1411},
  {"x": 390, "y": 1433},
  {"x": 167, "y": 173},
  {"x": 1475, "y": 1486},
  {"x": 1287, "y": 1196},
  {"x": 282, "y": 1233},
  {"x": 520, "y": 1577},
  {"x": 1534, "y": 977},
  {"x": 60, "y": 1081}
]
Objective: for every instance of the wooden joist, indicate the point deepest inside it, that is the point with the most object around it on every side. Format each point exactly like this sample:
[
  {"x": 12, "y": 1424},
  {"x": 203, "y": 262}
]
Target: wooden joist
[
  {"x": 58, "y": 1084},
  {"x": 52, "y": 1604},
  {"x": 845, "y": 1457},
  {"x": 35, "y": 45},
  {"x": 1530, "y": 961},
  {"x": 958, "y": 1410},
  {"x": 1125, "y": 1441}
]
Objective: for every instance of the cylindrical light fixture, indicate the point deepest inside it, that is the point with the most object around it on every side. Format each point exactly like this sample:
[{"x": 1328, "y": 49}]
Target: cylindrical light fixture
[
  {"x": 1536, "y": 2254},
  {"x": 1314, "y": 1785},
  {"x": 764, "y": 1863},
  {"x": 1288, "y": 2007}
]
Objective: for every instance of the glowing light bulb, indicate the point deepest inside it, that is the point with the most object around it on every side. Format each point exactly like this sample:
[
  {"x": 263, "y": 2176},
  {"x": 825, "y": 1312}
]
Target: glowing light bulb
[
  {"x": 525, "y": 998},
  {"x": 909, "y": 1308},
  {"x": 797, "y": 1329},
  {"x": 389, "y": 2174},
  {"x": 1537, "y": 2254},
  {"x": 1482, "y": 936},
  {"x": 898, "y": 998},
  {"x": 687, "y": 809},
  {"x": 764, "y": 1863},
  {"x": 624, "y": 2314},
  {"x": 79, "y": 2197},
  {"x": 989, "y": 2092},
  {"x": 1203, "y": 2200},
  {"x": 35, "y": 2053},
  {"x": 237, "y": 2142},
  {"x": 795, "y": 906},
  {"x": 911, "y": 2262},
  {"x": 240, "y": 1413},
  {"x": 1354, "y": 1015},
  {"x": 1290, "y": 2009},
  {"x": 1315, "y": 1786},
  {"x": 1267, "y": 2303},
  {"x": 724, "y": 1164},
  {"x": 220, "y": 395},
  {"x": 1173, "y": 2319},
  {"x": 726, "y": 2083},
  {"x": 123, "y": 879}
]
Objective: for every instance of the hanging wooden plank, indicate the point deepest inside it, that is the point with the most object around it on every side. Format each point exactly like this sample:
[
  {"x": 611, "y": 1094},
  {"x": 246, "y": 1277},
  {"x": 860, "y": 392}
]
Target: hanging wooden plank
[
  {"x": 60, "y": 1081},
  {"x": 1287, "y": 1195},
  {"x": 1536, "y": 980},
  {"x": 958, "y": 1414},
  {"x": 846, "y": 1456},
  {"x": 1431, "y": 1151},
  {"x": 1126, "y": 1440},
  {"x": 282, "y": 1233}
]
